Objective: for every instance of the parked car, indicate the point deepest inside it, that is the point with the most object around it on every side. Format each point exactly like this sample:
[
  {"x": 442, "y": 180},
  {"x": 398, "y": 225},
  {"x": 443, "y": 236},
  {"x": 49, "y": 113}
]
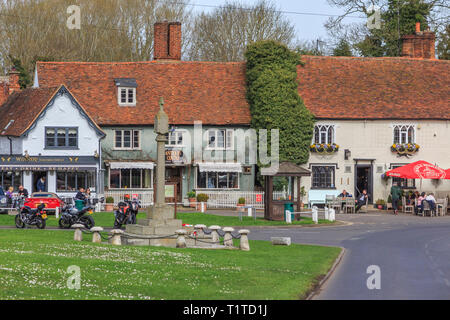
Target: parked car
[
  {"x": 3, "y": 201},
  {"x": 50, "y": 199}
]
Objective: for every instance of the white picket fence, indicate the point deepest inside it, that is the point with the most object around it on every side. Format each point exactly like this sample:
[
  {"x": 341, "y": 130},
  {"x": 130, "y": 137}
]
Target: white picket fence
[
  {"x": 229, "y": 199},
  {"x": 145, "y": 197}
]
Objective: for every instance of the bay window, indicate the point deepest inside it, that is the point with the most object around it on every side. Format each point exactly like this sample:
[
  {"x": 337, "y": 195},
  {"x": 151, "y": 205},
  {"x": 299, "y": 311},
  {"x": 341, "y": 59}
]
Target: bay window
[
  {"x": 217, "y": 180},
  {"x": 130, "y": 178},
  {"x": 70, "y": 181}
]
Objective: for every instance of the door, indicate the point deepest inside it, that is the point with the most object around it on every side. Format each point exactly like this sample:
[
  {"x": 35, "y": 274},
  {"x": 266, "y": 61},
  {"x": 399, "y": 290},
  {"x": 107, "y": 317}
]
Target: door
[
  {"x": 37, "y": 175},
  {"x": 174, "y": 176},
  {"x": 363, "y": 180}
]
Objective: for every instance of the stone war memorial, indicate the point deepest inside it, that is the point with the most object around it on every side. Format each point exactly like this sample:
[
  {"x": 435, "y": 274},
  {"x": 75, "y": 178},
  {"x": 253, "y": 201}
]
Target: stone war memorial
[{"x": 160, "y": 228}]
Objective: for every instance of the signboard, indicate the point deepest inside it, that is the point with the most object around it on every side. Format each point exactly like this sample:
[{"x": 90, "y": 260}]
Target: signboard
[
  {"x": 174, "y": 156},
  {"x": 169, "y": 191},
  {"x": 259, "y": 198}
]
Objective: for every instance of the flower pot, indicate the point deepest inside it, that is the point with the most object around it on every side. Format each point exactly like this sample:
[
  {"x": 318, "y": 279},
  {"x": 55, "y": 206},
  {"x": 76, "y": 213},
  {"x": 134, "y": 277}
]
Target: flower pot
[
  {"x": 380, "y": 207},
  {"x": 192, "y": 202},
  {"x": 199, "y": 206},
  {"x": 109, "y": 207},
  {"x": 239, "y": 206}
]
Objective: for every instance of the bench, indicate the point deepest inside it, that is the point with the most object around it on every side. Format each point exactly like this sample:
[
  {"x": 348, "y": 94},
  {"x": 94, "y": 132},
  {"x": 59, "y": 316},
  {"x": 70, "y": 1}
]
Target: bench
[{"x": 319, "y": 196}]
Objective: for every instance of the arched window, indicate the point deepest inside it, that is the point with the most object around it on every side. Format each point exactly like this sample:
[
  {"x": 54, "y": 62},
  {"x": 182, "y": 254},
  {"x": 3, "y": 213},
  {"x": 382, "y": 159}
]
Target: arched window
[
  {"x": 404, "y": 134},
  {"x": 324, "y": 134}
]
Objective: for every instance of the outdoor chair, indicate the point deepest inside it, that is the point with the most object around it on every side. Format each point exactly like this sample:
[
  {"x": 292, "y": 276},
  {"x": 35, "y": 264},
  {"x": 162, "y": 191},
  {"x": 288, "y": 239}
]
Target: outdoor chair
[
  {"x": 349, "y": 205},
  {"x": 441, "y": 207},
  {"x": 364, "y": 207},
  {"x": 426, "y": 208},
  {"x": 407, "y": 208},
  {"x": 337, "y": 205},
  {"x": 329, "y": 199}
]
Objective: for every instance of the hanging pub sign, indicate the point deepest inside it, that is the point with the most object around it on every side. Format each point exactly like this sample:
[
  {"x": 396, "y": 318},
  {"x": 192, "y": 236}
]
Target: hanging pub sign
[{"x": 174, "y": 156}]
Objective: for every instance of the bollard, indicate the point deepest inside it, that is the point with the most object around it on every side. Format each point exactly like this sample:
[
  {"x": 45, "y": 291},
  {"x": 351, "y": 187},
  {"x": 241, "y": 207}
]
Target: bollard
[
  {"x": 116, "y": 237},
  {"x": 243, "y": 244},
  {"x": 249, "y": 212},
  {"x": 288, "y": 216},
  {"x": 214, "y": 234},
  {"x": 198, "y": 229},
  {"x": 96, "y": 238},
  {"x": 181, "y": 240},
  {"x": 202, "y": 207},
  {"x": 78, "y": 236},
  {"x": 228, "y": 238},
  {"x": 315, "y": 215},
  {"x": 326, "y": 213},
  {"x": 332, "y": 216},
  {"x": 57, "y": 212}
]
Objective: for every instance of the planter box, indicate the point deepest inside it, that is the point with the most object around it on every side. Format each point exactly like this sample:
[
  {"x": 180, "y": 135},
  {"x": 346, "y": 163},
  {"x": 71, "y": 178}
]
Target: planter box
[{"x": 192, "y": 202}]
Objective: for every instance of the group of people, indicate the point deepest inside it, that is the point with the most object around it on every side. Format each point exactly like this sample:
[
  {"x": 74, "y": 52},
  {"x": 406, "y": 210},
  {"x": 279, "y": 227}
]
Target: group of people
[
  {"x": 83, "y": 194},
  {"x": 359, "y": 202},
  {"x": 10, "y": 193},
  {"x": 396, "y": 194}
]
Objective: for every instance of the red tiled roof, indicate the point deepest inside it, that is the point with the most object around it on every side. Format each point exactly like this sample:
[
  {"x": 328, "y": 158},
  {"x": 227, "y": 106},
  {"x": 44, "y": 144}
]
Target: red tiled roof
[
  {"x": 375, "y": 88},
  {"x": 23, "y": 107},
  {"x": 211, "y": 92}
]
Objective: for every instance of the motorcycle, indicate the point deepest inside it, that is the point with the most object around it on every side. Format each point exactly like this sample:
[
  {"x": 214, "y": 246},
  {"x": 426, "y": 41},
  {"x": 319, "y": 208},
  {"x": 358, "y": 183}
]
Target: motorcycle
[
  {"x": 126, "y": 213},
  {"x": 71, "y": 215},
  {"x": 18, "y": 201},
  {"x": 32, "y": 217}
]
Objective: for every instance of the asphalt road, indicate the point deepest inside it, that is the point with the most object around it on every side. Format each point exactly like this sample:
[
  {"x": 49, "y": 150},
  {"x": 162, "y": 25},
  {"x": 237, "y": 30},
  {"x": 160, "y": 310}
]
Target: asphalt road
[{"x": 412, "y": 253}]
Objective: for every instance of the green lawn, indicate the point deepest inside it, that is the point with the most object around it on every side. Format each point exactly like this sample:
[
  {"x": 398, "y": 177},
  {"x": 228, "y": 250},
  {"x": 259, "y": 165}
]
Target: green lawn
[
  {"x": 106, "y": 219},
  {"x": 33, "y": 265}
]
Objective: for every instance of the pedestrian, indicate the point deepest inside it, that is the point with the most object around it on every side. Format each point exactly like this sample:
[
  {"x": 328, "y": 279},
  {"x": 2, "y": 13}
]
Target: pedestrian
[
  {"x": 362, "y": 200},
  {"x": 396, "y": 193},
  {"x": 9, "y": 194},
  {"x": 23, "y": 192},
  {"x": 80, "y": 194},
  {"x": 40, "y": 185}
]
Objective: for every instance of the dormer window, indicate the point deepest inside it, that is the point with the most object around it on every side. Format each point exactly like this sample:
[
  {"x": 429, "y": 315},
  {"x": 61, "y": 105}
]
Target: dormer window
[{"x": 126, "y": 91}]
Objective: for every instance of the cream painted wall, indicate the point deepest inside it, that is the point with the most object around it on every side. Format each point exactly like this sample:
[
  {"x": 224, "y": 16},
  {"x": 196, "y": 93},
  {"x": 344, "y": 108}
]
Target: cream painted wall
[{"x": 372, "y": 140}]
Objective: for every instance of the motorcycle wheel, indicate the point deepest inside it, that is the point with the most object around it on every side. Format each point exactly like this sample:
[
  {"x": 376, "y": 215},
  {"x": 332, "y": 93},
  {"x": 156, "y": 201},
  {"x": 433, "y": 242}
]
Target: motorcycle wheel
[
  {"x": 40, "y": 223},
  {"x": 87, "y": 221},
  {"x": 117, "y": 224},
  {"x": 19, "y": 222},
  {"x": 64, "y": 224}
]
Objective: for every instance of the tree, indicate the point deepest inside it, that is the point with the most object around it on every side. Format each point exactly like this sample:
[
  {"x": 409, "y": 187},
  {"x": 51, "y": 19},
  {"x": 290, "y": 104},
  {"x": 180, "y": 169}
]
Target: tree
[
  {"x": 343, "y": 49},
  {"x": 24, "y": 76},
  {"x": 443, "y": 47},
  {"x": 273, "y": 94},
  {"x": 224, "y": 33},
  {"x": 397, "y": 18},
  {"x": 111, "y": 30},
  {"x": 311, "y": 47}
]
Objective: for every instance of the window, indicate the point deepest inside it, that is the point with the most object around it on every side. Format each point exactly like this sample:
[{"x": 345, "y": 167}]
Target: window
[
  {"x": 323, "y": 177},
  {"x": 59, "y": 137},
  {"x": 69, "y": 181},
  {"x": 175, "y": 138},
  {"x": 10, "y": 179},
  {"x": 127, "y": 96},
  {"x": 404, "y": 134},
  {"x": 402, "y": 182},
  {"x": 127, "y": 139},
  {"x": 220, "y": 139},
  {"x": 217, "y": 180},
  {"x": 324, "y": 134},
  {"x": 130, "y": 178}
]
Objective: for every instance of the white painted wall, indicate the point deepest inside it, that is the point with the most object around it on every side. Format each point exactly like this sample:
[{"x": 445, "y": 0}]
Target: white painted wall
[
  {"x": 5, "y": 145},
  {"x": 373, "y": 139},
  {"x": 62, "y": 114}
]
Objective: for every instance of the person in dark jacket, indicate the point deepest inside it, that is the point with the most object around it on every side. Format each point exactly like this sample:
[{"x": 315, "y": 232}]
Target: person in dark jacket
[
  {"x": 23, "y": 192},
  {"x": 396, "y": 193},
  {"x": 40, "y": 185},
  {"x": 80, "y": 194},
  {"x": 362, "y": 200}
]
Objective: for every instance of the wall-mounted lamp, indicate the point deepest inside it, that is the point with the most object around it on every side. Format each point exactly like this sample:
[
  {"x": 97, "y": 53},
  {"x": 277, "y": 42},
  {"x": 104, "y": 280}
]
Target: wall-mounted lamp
[{"x": 347, "y": 154}]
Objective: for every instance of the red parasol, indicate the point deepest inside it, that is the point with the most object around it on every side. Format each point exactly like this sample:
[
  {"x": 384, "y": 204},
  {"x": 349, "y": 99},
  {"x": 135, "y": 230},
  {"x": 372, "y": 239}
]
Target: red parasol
[{"x": 418, "y": 170}]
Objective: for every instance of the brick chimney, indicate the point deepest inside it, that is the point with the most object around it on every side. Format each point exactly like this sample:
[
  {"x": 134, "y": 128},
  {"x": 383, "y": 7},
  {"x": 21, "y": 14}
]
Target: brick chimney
[
  {"x": 419, "y": 45},
  {"x": 13, "y": 80},
  {"x": 167, "y": 41}
]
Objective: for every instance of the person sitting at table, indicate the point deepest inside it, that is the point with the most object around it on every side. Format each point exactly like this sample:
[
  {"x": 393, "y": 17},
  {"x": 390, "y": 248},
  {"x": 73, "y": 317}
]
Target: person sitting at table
[
  {"x": 344, "y": 194},
  {"x": 432, "y": 202},
  {"x": 362, "y": 198},
  {"x": 419, "y": 207}
]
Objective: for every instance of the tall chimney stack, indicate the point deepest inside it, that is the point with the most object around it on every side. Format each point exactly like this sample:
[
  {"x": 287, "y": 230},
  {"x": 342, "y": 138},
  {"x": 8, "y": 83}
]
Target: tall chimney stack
[
  {"x": 13, "y": 80},
  {"x": 419, "y": 45},
  {"x": 167, "y": 41}
]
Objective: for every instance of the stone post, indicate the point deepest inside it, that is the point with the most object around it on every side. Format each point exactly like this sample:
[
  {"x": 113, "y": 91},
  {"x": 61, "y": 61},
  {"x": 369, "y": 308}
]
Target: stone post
[
  {"x": 198, "y": 228},
  {"x": 327, "y": 214},
  {"x": 228, "y": 238},
  {"x": 78, "y": 235},
  {"x": 243, "y": 244},
  {"x": 332, "y": 215},
  {"x": 315, "y": 215},
  {"x": 214, "y": 234},
  {"x": 116, "y": 237},
  {"x": 96, "y": 238},
  {"x": 161, "y": 129},
  {"x": 181, "y": 240}
]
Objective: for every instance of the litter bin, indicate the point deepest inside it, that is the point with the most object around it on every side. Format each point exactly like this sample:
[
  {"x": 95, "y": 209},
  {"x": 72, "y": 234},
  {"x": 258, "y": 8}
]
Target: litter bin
[
  {"x": 79, "y": 204},
  {"x": 289, "y": 206}
]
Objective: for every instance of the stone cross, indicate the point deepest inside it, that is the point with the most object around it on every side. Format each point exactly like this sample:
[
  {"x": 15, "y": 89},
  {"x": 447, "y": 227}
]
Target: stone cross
[{"x": 161, "y": 129}]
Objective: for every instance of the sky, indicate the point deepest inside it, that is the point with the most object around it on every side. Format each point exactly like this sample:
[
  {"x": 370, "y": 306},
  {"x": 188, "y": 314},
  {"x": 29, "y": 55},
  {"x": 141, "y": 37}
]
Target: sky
[{"x": 308, "y": 27}]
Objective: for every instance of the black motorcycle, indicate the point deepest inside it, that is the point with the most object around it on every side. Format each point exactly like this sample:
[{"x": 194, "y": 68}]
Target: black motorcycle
[
  {"x": 126, "y": 213},
  {"x": 31, "y": 217},
  {"x": 71, "y": 215}
]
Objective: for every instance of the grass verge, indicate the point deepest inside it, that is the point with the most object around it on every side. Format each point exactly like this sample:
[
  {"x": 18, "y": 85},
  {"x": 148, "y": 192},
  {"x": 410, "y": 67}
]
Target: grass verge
[{"x": 33, "y": 265}]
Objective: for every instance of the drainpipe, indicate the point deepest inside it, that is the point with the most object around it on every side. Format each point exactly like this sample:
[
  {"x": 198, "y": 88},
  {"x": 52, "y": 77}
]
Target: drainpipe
[{"x": 10, "y": 145}]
